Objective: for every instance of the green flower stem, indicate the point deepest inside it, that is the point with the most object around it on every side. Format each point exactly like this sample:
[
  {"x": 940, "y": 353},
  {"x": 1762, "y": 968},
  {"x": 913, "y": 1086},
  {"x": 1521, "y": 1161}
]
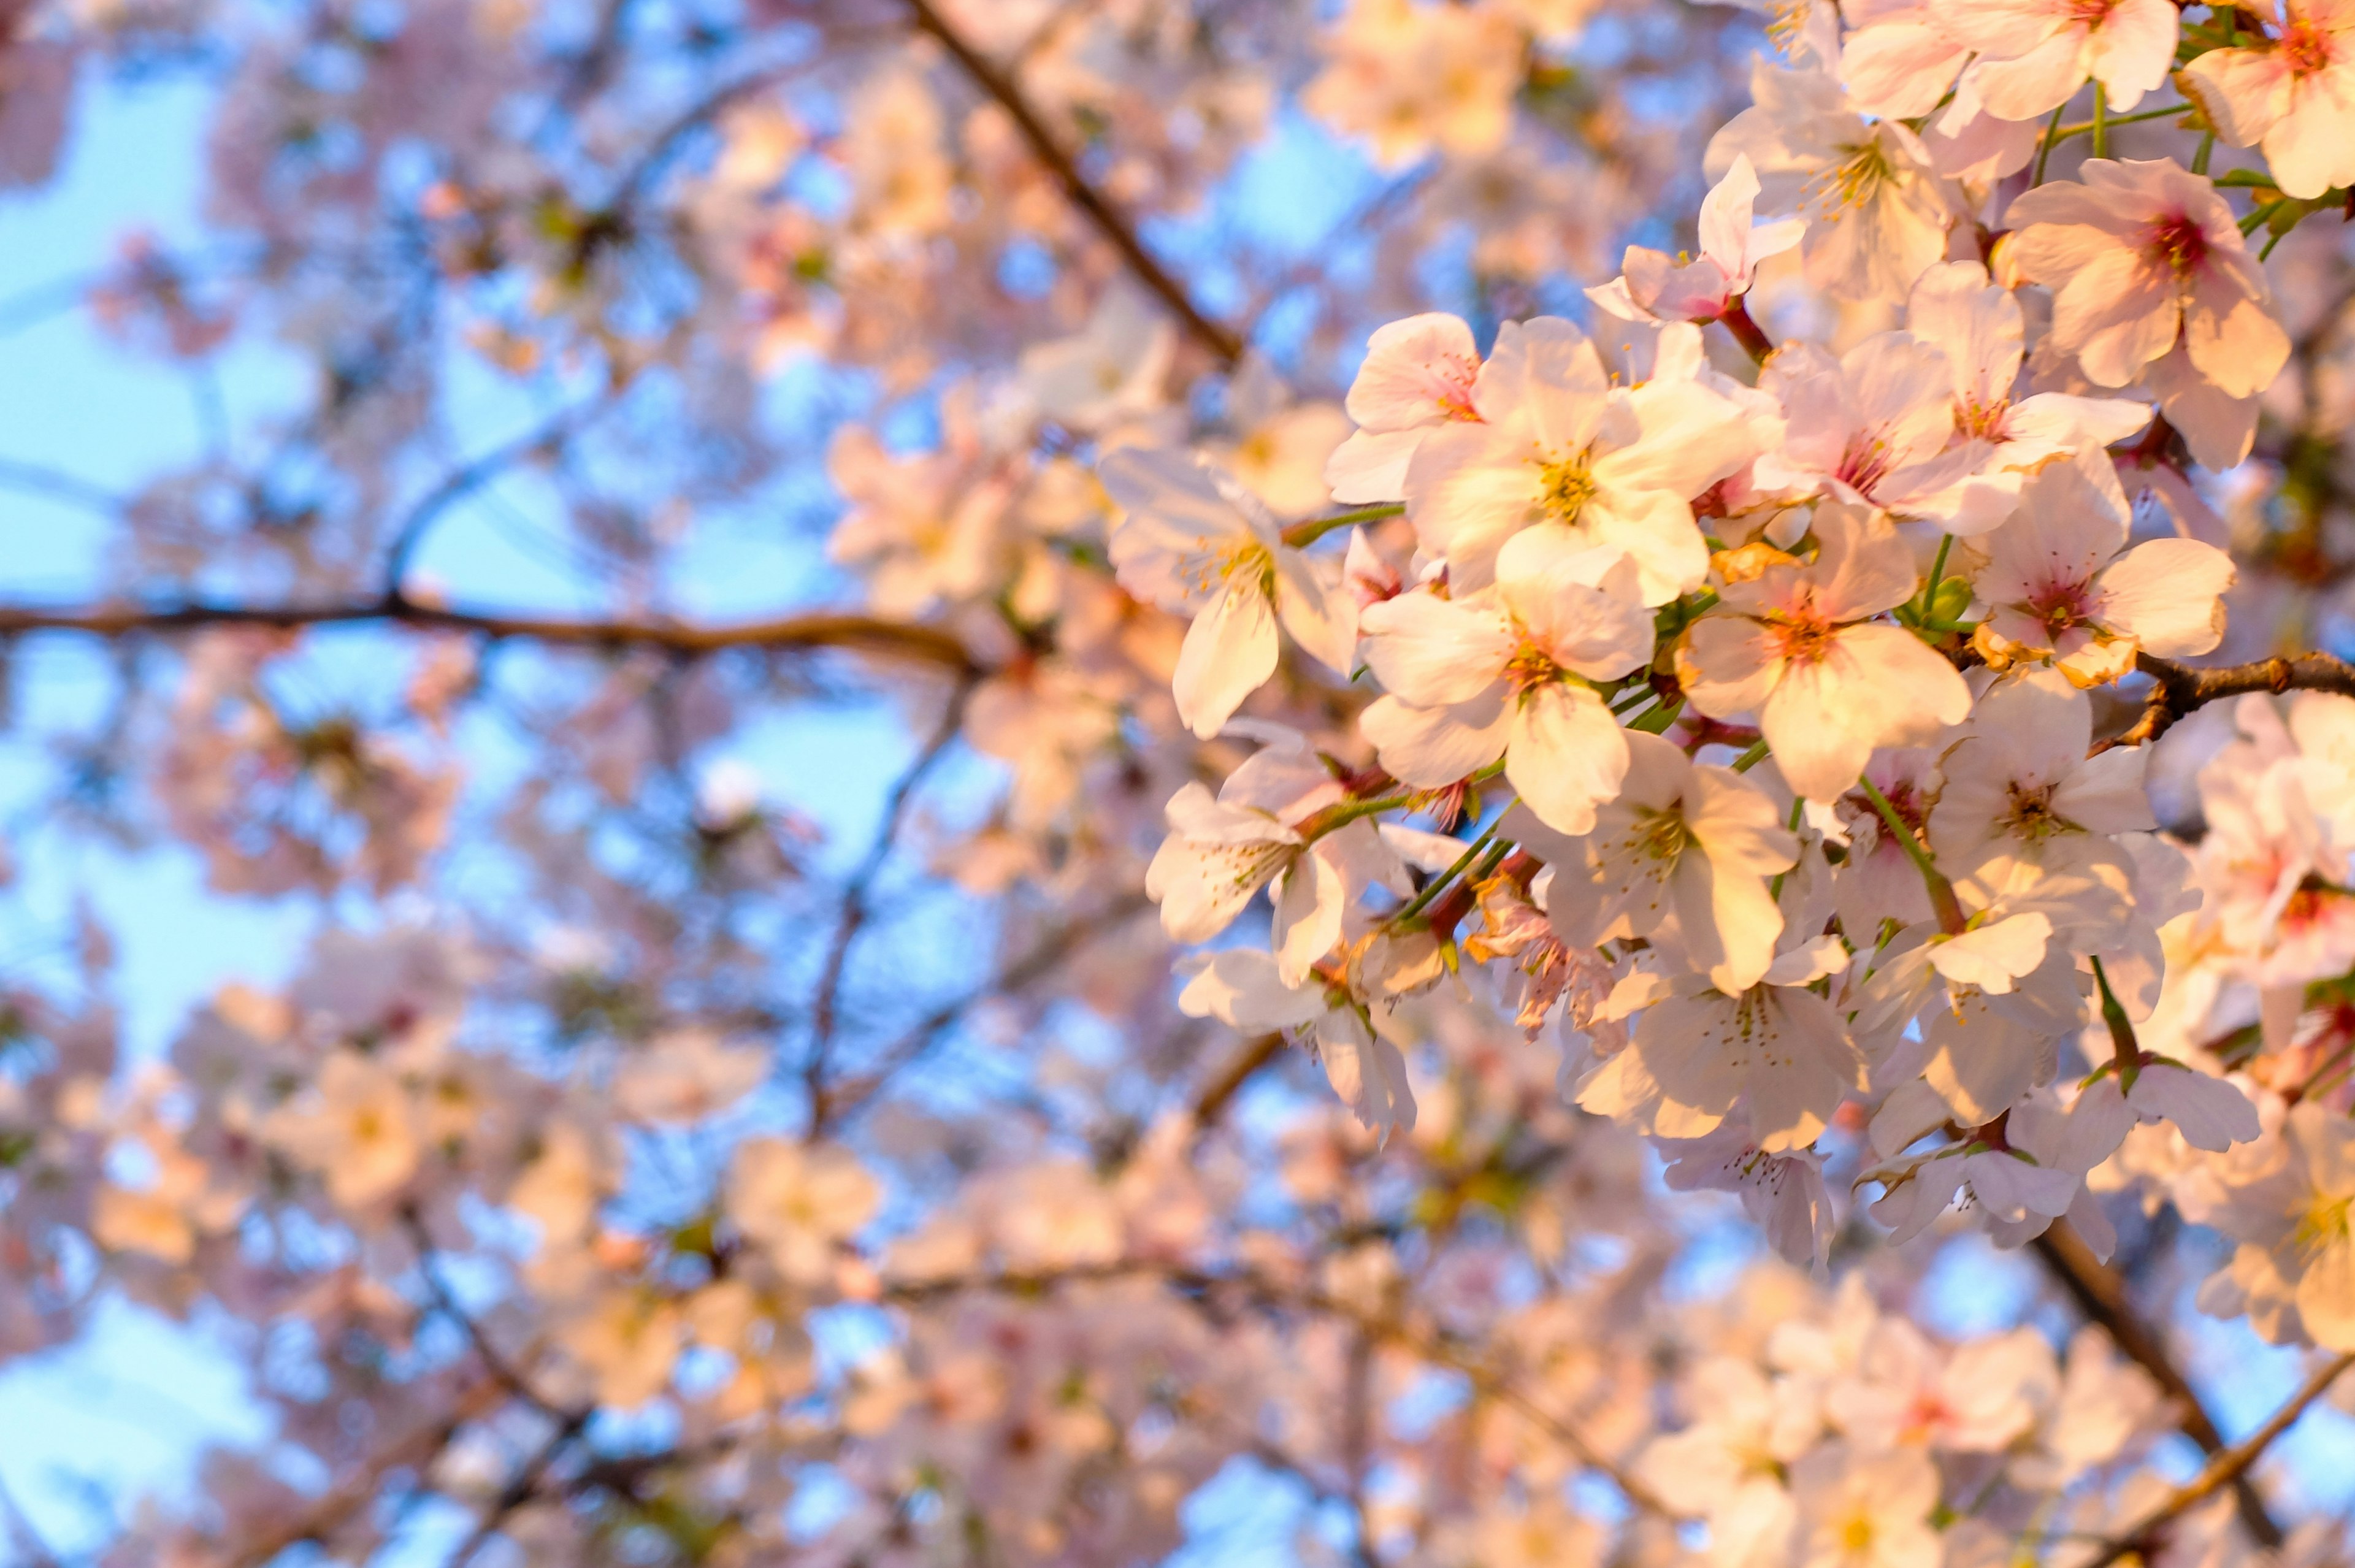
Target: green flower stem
[
  {"x": 1938, "y": 573},
  {"x": 2084, "y": 127},
  {"x": 1751, "y": 758},
  {"x": 2122, "y": 1034},
  {"x": 2044, "y": 153},
  {"x": 1798, "y": 814},
  {"x": 1430, "y": 890},
  {"x": 1943, "y": 901},
  {"x": 1342, "y": 813},
  {"x": 1299, "y": 536}
]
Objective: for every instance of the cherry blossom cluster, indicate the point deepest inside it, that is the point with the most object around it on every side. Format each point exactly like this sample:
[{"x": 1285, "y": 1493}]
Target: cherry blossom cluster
[
  {"x": 1359, "y": 838},
  {"x": 1750, "y": 716}
]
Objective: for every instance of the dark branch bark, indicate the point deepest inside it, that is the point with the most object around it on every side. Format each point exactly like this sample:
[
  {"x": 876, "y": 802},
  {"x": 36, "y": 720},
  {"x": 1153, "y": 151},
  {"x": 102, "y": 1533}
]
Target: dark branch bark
[
  {"x": 2177, "y": 688},
  {"x": 2229, "y": 1467},
  {"x": 2101, "y": 1296},
  {"x": 1216, "y": 337},
  {"x": 806, "y": 633},
  {"x": 856, "y": 899}
]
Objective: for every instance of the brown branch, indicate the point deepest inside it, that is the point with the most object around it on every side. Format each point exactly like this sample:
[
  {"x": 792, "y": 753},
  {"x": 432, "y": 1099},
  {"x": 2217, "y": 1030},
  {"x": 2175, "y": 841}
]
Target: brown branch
[
  {"x": 1199, "y": 1286},
  {"x": 1210, "y": 1102},
  {"x": 912, "y": 1045},
  {"x": 2229, "y": 1467},
  {"x": 1219, "y": 338},
  {"x": 414, "y": 1450},
  {"x": 856, "y": 899},
  {"x": 2101, "y": 1295},
  {"x": 804, "y": 633},
  {"x": 2178, "y": 688}
]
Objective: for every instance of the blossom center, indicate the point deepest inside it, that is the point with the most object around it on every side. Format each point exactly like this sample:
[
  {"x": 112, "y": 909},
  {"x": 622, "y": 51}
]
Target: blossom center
[
  {"x": 1245, "y": 865},
  {"x": 2058, "y": 606},
  {"x": 1212, "y": 568},
  {"x": 1862, "y": 170},
  {"x": 1988, "y": 421},
  {"x": 2031, "y": 815},
  {"x": 1530, "y": 666},
  {"x": 1856, "y": 1535},
  {"x": 2324, "y": 1221},
  {"x": 1866, "y": 461},
  {"x": 2091, "y": 14},
  {"x": 2306, "y": 49},
  {"x": 1565, "y": 486},
  {"x": 1454, "y": 395},
  {"x": 1804, "y": 637},
  {"x": 2177, "y": 243},
  {"x": 1660, "y": 835}
]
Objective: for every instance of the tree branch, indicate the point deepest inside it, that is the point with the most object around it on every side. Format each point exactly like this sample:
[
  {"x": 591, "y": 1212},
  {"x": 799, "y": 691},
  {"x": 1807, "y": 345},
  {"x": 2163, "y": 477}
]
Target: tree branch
[
  {"x": 2178, "y": 688},
  {"x": 1216, "y": 337},
  {"x": 856, "y": 904},
  {"x": 1049, "y": 951},
  {"x": 804, "y": 633},
  {"x": 2101, "y": 1296},
  {"x": 2229, "y": 1467}
]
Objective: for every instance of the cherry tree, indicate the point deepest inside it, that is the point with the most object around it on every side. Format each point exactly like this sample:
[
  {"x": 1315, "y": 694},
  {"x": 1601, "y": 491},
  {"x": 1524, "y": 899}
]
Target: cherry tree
[{"x": 1570, "y": 688}]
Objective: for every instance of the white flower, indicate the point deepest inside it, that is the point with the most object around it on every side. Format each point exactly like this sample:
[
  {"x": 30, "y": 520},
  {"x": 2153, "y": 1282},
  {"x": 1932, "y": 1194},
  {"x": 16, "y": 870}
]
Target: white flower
[
  {"x": 1694, "y": 842},
  {"x": 1220, "y": 852},
  {"x": 358, "y": 1129},
  {"x": 1777, "y": 1049},
  {"x": 1505, "y": 674},
  {"x": 1900, "y": 57},
  {"x": 1418, "y": 376},
  {"x": 799, "y": 1203},
  {"x": 1556, "y": 444},
  {"x": 1905, "y": 1391},
  {"x": 686, "y": 1075},
  {"x": 1796, "y": 645},
  {"x": 1110, "y": 370},
  {"x": 1655, "y": 287},
  {"x": 2295, "y": 1272},
  {"x": 1875, "y": 425},
  {"x": 1857, "y": 1511},
  {"x": 1195, "y": 542},
  {"x": 2035, "y": 54},
  {"x": 1281, "y": 445},
  {"x": 1783, "y": 1193},
  {"x": 1877, "y": 214},
  {"x": 2020, "y": 787},
  {"x": 1979, "y": 327},
  {"x": 2056, "y": 587},
  {"x": 2142, "y": 256},
  {"x": 1243, "y": 988},
  {"x": 2295, "y": 94}
]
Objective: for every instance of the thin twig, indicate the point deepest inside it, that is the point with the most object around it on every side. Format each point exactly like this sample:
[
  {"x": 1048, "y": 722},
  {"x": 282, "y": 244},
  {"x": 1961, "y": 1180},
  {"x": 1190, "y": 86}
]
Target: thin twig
[
  {"x": 2229, "y": 1468},
  {"x": 856, "y": 905},
  {"x": 2101, "y": 1295},
  {"x": 2177, "y": 688},
  {"x": 804, "y": 633},
  {"x": 464, "y": 481},
  {"x": 913, "y": 1043},
  {"x": 1093, "y": 204}
]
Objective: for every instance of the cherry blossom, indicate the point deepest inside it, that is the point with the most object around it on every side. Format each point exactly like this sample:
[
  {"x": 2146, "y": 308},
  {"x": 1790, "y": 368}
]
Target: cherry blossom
[
  {"x": 2141, "y": 256},
  {"x": 1193, "y": 540},
  {"x": 1557, "y": 446},
  {"x": 1798, "y": 646},
  {"x": 1652, "y": 287},
  {"x": 2293, "y": 93},
  {"x": 1511, "y": 678}
]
